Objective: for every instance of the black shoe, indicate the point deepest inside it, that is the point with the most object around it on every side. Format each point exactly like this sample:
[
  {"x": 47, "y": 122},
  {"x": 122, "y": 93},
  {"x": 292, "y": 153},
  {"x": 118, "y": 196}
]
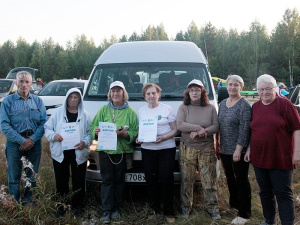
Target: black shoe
[
  {"x": 28, "y": 204},
  {"x": 60, "y": 211},
  {"x": 78, "y": 211}
]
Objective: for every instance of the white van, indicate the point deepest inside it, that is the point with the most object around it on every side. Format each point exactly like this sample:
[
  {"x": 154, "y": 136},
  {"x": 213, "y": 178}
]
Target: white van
[{"x": 170, "y": 64}]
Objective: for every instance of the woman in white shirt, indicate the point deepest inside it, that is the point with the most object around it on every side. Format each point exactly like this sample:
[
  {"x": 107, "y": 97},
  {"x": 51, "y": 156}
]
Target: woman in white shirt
[{"x": 159, "y": 156}]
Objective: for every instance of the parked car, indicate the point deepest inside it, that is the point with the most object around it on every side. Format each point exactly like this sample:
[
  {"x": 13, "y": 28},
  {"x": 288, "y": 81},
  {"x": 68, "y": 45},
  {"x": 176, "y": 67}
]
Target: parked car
[
  {"x": 12, "y": 74},
  {"x": 294, "y": 97},
  {"x": 170, "y": 64},
  {"x": 53, "y": 94},
  {"x": 7, "y": 87}
]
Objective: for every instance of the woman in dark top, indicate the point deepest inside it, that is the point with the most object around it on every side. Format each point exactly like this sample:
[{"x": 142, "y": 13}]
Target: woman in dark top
[{"x": 234, "y": 122}]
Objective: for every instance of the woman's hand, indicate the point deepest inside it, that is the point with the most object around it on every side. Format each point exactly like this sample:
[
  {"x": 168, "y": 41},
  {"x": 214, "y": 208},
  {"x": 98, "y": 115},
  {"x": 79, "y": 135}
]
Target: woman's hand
[
  {"x": 58, "y": 138},
  {"x": 202, "y": 133},
  {"x": 80, "y": 145},
  {"x": 237, "y": 155},
  {"x": 159, "y": 139},
  {"x": 193, "y": 134},
  {"x": 97, "y": 130},
  {"x": 138, "y": 142},
  {"x": 122, "y": 133},
  {"x": 247, "y": 155}
]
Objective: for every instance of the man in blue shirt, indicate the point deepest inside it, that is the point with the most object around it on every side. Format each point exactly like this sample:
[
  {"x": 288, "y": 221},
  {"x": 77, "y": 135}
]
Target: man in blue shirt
[{"x": 22, "y": 122}]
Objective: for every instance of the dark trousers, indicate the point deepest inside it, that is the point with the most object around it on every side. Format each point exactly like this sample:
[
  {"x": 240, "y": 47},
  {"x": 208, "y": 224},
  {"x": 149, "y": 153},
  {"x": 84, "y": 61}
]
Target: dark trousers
[
  {"x": 112, "y": 171},
  {"x": 159, "y": 168},
  {"x": 274, "y": 182},
  {"x": 62, "y": 176},
  {"x": 238, "y": 184}
]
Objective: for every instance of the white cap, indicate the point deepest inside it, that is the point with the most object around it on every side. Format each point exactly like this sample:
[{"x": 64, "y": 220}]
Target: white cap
[
  {"x": 117, "y": 84},
  {"x": 195, "y": 81}
]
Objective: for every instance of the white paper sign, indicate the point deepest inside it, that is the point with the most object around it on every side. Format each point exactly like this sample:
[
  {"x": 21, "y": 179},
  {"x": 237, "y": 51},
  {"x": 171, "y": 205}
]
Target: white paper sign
[
  {"x": 107, "y": 137},
  {"x": 147, "y": 129},
  {"x": 70, "y": 134}
]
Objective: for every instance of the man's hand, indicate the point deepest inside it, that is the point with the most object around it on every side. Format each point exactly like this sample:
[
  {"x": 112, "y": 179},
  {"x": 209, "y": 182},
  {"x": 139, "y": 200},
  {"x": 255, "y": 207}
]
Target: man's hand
[{"x": 28, "y": 144}]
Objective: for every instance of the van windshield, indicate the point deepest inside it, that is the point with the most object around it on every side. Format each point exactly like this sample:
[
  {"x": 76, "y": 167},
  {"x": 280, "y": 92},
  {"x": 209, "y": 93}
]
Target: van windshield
[{"x": 171, "y": 77}]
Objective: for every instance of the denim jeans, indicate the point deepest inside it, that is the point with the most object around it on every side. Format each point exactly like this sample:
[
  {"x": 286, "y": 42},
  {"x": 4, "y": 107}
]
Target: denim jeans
[
  {"x": 159, "y": 168},
  {"x": 274, "y": 182},
  {"x": 112, "y": 170},
  {"x": 14, "y": 164},
  {"x": 238, "y": 184}
]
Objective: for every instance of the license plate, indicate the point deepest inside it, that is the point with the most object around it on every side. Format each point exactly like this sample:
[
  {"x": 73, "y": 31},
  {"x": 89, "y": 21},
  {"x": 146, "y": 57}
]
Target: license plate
[{"x": 135, "y": 177}]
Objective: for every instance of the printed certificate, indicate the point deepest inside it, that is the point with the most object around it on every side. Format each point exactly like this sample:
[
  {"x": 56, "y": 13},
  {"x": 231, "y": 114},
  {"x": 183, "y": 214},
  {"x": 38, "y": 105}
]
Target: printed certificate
[
  {"x": 147, "y": 129},
  {"x": 70, "y": 134},
  {"x": 107, "y": 137}
]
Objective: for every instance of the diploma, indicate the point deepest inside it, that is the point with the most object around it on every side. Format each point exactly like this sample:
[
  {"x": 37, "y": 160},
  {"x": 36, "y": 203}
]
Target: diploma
[
  {"x": 70, "y": 134},
  {"x": 147, "y": 129},
  {"x": 107, "y": 137}
]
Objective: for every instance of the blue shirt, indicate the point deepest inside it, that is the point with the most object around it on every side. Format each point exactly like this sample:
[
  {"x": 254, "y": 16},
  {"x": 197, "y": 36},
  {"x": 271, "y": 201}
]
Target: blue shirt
[{"x": 19, "y": 115}]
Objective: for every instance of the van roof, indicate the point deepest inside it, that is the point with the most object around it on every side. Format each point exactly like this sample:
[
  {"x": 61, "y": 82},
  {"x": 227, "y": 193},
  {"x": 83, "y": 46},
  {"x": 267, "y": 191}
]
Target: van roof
[{"x": 152, "y": 51}]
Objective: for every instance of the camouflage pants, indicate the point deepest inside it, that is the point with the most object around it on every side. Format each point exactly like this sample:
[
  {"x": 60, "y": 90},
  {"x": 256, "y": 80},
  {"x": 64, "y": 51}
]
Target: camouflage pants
[{"x": 205, "y": 161}]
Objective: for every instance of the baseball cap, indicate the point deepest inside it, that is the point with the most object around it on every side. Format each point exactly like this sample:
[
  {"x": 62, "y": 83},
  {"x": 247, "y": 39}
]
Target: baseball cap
[
  {"x": 117, "y": 84},
  {"x": 195, "y": 81}
]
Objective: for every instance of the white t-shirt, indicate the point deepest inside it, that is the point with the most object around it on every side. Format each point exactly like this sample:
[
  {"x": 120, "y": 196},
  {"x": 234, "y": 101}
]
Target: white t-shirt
[{"x": 165, "y": 115}]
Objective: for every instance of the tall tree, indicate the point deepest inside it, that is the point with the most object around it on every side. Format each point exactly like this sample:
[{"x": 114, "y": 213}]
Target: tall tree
[
  {"x": 22, "y": 53},
  {"x": 7, "y": 51}
]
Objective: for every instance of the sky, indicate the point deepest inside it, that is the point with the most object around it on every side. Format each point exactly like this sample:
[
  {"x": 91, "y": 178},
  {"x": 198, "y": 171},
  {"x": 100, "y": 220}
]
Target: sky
[{"x": 64, "y": 20}]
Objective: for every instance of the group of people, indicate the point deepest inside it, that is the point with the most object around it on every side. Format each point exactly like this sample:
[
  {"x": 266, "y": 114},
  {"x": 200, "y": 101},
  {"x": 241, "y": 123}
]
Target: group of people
[{"x": 268, "y": 134}]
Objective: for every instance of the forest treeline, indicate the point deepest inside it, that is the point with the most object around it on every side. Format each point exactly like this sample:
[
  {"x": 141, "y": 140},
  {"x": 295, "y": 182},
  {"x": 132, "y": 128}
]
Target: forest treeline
[{"x": 248, "y": 53}]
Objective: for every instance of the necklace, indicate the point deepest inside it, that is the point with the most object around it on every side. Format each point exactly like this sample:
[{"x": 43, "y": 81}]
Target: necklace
[{"x": 113, "y": 115}]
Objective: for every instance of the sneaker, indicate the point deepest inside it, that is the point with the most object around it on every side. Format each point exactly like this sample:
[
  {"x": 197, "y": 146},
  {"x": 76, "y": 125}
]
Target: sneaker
[
  {"x": 152, "y": 214},
  {"x": 215, "y": 215},
  {"x": 105, "y": 219},
  {"x": 115, "y": 215},
  {"x": 185, "y": 212},
  {"x": 60, "y": 211},
  {"x": 170, "y": 218},
  {"x": 239, "y": 220},
  {"x": 265, "y": 223}
]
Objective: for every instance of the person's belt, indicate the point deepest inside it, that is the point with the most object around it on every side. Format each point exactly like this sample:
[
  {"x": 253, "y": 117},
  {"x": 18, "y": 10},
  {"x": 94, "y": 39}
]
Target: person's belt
[{"x": 27, "y": 133}]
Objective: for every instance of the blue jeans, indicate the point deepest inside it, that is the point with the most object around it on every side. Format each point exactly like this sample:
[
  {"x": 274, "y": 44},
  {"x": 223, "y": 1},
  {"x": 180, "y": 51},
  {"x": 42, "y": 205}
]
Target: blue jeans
[
  {"x": 14, "y": 164},
  {"x": 274, "y": 182},
  {"x": 113, "y": 180}
]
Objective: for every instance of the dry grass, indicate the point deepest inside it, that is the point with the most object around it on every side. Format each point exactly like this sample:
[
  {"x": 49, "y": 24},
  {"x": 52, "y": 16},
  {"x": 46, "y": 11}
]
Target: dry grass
[{"x": 134, "y": 210}]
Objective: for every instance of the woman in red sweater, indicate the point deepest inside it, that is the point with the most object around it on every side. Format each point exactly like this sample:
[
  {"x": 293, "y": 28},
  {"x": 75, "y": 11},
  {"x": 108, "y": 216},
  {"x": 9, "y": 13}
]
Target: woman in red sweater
[{"x": 274, "y": 150}]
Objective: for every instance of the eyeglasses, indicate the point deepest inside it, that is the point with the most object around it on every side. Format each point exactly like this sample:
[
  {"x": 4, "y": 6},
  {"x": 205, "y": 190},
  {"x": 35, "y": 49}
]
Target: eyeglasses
[
  {"x": 268, "y": 89},
  {"x": 196, "y": 91}
]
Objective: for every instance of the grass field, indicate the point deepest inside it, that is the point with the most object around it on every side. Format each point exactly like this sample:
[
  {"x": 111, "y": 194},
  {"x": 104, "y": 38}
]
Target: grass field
[{"x": 134, "y": 209}]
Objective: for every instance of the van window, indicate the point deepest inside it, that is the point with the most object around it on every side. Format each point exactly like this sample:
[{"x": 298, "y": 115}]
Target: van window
[{"x": 171, "y": 77}]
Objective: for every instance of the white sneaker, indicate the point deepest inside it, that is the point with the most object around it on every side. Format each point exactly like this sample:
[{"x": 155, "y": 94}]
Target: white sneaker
[{"x": 239, "y": 220}]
